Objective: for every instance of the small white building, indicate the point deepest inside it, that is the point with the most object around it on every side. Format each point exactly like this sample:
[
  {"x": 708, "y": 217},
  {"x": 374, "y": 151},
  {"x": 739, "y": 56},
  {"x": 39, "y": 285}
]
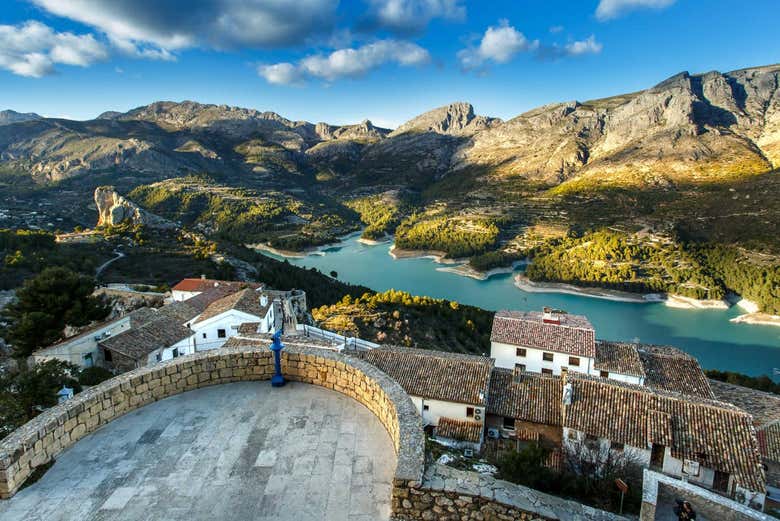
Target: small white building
[
  {"x": 188, "y": 288},
  {"x": 450, "y": 390},
  {"x": 83, "y": 349},
  {"x": 222, "y": 318},
  {"x": 549, "y": 343}
]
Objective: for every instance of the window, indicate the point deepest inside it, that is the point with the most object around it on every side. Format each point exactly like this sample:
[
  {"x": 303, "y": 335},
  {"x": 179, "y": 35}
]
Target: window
[
  {"x": 564, "y": 369},
  {"x": 520, "y": 351},
  {"x": 617, "y": 446},
  {"x": 469, "y": 412},
  {"x": 107, "y": 356},
  {"x": 220, "y": 333},
  {"x": 426, "y": 407},
  {"x": 547, "y": 371},
  {"x": 87, "y": 360},
  {"x": 520, "y": 367},
  {"x": 158, "y": 357},
  {"x": 573, "y": 360},
  {"x": 604, "y": 374},
  {"x": 204, "y": 335},
  {"x": 176, "y": 352},
  {"x": 509, "y": 423},
  {"x": 547, "y": 357}
]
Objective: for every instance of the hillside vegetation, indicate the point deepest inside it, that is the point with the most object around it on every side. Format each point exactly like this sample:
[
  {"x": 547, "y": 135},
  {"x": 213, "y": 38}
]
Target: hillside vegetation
[{"x": 397, "y": 317}]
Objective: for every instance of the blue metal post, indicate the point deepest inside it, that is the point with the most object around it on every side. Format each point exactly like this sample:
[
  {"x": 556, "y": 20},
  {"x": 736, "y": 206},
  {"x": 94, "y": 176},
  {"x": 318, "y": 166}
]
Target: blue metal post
[{"x": 277, "y": 380}]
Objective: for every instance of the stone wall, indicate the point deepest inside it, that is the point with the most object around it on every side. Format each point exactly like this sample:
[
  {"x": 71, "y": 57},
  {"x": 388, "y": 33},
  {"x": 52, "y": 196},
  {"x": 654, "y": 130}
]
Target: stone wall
[
  {"x": 660, "y": 491},
  {"x": 42, "y": 439},
  {"x": 448, "y": 494}
]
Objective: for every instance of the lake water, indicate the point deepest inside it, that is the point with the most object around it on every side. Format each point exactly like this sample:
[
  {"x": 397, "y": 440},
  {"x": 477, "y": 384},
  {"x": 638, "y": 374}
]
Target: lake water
[{"x": 706, "y": 334}]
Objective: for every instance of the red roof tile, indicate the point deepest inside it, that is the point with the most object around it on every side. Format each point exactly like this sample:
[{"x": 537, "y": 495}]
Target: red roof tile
[{"x": 574, "y": 335}]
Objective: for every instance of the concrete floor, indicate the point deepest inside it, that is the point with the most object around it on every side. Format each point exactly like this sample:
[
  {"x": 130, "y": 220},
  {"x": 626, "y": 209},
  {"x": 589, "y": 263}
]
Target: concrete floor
[{"x": 231, "y": 452}]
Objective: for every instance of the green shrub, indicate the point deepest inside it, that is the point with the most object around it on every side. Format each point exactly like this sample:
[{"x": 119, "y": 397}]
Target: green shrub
[{"x": 94, "y": 375}]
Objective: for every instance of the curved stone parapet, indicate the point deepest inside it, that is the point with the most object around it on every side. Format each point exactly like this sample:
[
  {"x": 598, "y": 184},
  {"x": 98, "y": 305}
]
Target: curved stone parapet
[{"x": 43, "y": 438}]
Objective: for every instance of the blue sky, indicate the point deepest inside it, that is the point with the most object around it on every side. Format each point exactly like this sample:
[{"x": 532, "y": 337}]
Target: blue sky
[{"x": 344, "y": 61}]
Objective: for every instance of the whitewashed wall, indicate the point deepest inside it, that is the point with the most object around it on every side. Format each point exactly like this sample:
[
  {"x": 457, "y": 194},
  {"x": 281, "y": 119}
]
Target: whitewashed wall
[
  {"x": 206, "y": 333},
  {"x": 574, "y": 441},
  {"x": 74, "y": 351},
  {"x": 674, "y": 467},
  {"x": 505, "y": 356},
  {"x": 178, "y": 295},
  {"x": 636, "y": 380}
]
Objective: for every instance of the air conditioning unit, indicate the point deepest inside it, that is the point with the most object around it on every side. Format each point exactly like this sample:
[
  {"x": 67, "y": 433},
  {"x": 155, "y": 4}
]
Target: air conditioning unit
[
  {"x": 478, "y": 417},
  {"x": 468, "y": 453},
  {"x": 493, "y": 434}
]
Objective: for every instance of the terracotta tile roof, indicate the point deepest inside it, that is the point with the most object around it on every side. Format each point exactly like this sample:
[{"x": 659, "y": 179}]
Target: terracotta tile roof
[
  {"x": 526, "y": 396},
  {"x": 246, "y": 300},
  {"x": 718, "y": 435},
  {"x": 618, "y": 357},
  {"x": 138, "y": 343},
  {"x": 769, "y": 441},
  {"x": 462, "y": 430},
  {"x": 669, "y": 369},
  {"x": 436, "y": 375},
  {"x": 574, "y": 335},
  {"x": 765, "y": 407},
  {"x": 248, "y": 328},
  {"x": 199, "y": 284}
]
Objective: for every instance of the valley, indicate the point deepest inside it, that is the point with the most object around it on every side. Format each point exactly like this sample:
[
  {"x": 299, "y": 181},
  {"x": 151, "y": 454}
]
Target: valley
[{"x": 670, "y": 189}]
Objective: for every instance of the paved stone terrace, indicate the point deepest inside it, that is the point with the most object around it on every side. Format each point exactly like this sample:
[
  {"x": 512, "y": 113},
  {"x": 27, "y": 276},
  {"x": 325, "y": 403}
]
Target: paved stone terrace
[{"x": 237, "y": 451}]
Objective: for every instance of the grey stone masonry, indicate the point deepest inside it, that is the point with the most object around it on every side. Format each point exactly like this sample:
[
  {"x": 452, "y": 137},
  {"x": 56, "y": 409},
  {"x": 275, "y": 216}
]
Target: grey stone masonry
[
  {"x": 448, "y": 494},
  {"x": 42, "y": 439}
]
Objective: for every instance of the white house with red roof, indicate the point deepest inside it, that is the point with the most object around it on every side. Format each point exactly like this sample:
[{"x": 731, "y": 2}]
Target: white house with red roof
[
  {"x": 188, "y": 288},
  {"x": 551, "y": 342}
]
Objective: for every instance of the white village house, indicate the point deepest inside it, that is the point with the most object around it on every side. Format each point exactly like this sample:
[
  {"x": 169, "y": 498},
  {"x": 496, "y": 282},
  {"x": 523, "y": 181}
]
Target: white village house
[{"x": 202, "y": 316}]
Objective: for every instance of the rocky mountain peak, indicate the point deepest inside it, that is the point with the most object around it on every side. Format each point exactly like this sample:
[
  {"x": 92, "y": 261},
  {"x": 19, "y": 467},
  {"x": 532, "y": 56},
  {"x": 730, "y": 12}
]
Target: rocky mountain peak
[
  {"x": 455, "y": 119},
  {"x": 11, "y": 116}
]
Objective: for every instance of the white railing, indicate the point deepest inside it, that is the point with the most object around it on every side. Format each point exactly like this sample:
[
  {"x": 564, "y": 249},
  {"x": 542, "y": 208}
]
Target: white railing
[{"x": 342, "y": 341}]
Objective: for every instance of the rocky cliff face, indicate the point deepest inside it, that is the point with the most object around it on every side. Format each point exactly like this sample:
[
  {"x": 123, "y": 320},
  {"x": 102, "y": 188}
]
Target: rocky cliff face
[
  {"x": 453, "y": 119},
  {"x": 113, "y": 210},
  {"x": 688, "y": 127},
  {"x": 11, "y": 116}
]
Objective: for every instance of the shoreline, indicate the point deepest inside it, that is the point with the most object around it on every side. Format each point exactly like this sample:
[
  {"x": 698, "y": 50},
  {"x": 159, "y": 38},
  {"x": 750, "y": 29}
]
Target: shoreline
[
  {"x": 290, "y": 254},
  {"x": 372, "y": 242},
  {"x": 522, "y": 282},
  {"x": 465, "y": 270},
  {"x": 757, "y": 318},
  {"x": 436, "y": 255},
  {"x": 680, "y": 302}
]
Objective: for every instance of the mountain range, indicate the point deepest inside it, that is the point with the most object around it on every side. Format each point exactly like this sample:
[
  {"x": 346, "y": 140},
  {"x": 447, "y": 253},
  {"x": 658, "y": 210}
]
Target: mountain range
[{"x": 673, "y": 155}]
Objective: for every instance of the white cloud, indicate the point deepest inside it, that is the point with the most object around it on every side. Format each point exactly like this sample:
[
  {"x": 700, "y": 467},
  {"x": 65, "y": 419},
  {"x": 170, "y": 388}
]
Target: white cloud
[
  {"x": 156, "y": 28},
  {"x": 349, "y": 63},
  {"x": 498, "y": 45},
  {"x": 555, "y": 29},
  {"x": 586, "y": 46},
  {"x": 32, "y": 49},
  {"x": 609, "y": 9},
  {"x": 410, "y": 16},
  {"x": 281, "y": 73}
]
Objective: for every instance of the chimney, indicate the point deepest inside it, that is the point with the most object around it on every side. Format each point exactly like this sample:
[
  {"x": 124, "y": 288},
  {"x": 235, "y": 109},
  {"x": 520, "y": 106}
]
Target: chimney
[
  {"x": 263, "y": 300},
  {"x": 551, "y": 316},
  {"x": 568, "y": 394},
  {"x": 202, "y": 277}
]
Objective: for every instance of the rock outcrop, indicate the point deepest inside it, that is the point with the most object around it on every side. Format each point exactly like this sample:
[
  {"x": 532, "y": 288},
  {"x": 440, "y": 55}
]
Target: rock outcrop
[
  {"x": 113, "y": 210},
  {"x": 453, "y": 119},
  {"x": 11, "y": 116}
]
